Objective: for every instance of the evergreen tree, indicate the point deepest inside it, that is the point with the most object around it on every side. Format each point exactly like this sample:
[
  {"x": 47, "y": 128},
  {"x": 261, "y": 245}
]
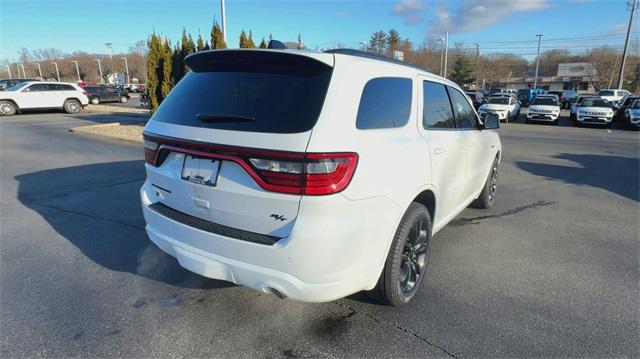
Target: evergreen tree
[
  {"x": 244, "y": 41},
  {"x": 177, "y": 64},
  {"x": 250, "y": 43},
  {"x": 263, "y": 44},
  {"x": 199, "y": 43},
  {"x": 217, "y": 39},
  {"x": 206, "y": 46},
  {"x": 299, "y": 45},
  {"x": 165, "y": 69},
  {"x": 378, "y": 42},
  {"x": 187, "y": 49},
  {"x": 462, "y": 71},
  {"x": 153, "y": 63},
  {"x": 393, "y": 40}
]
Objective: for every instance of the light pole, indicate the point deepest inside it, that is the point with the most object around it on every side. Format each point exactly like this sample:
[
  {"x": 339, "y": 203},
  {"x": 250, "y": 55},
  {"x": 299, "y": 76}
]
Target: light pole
[
  {"x": 626, "y": 44},
  {"x": 9, "y": 71},
  {"x": 39, "y": 70},
  {"x": 24, "y": 75},
  {"x": 441, "y": 54},
  {"x": 224, "y": 21},
  {"x": 109, "y": 46},
  {"x": 446, "y": 53},
  {"x": 100, "y": 69},
  {"x": 126, "y": 68},
  {"x": 535, "y": 81},
  {"x": 364, "y": 44},
  {"x": 57, "y": 72},
  {"x": 77, "y": 71}
]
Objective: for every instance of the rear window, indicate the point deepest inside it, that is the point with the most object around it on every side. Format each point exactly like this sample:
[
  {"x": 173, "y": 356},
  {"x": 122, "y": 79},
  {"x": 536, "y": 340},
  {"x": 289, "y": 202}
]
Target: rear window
[
  {"x": 596, "y": 103},
  {"x": 248, "y": 91},
  {"x": 385, "y": 103},
  {"x": 499, "y": 100}
]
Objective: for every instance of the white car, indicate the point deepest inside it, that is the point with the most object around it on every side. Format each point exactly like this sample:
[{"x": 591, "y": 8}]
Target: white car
[
  {"x": 42, "y": 95},
  {"x": 597, "y": 111},
  {"x": 613, "y": 96},
  {"x": 632, "y": 115},
  {"x": 544, "y": 108},
  {"x": 312, "y": 175},
  {"x": 505, "y": 107}
]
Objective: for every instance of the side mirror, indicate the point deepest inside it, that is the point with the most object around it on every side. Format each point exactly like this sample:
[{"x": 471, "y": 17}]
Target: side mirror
[{"x": 491, "y": 121}]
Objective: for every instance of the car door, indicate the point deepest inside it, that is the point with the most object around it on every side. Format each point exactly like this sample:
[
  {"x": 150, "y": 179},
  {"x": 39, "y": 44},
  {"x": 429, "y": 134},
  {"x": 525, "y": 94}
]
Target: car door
[
  {"x": 447, "y": 148},
  {"x": 35, "y": 96},
  {"x": 477, "y": 142},
  {"x": 109, "y": 94}
]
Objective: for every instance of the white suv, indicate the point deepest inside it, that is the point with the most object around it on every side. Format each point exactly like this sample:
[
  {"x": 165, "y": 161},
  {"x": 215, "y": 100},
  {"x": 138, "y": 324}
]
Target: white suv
[
  {"x": 544, "y": 108},
  {"x": 597, "y": 111},
  {"x": 312, "y": 175},
  {"x": 42, "y": 95},
  {"x": 505, "y": 107}
]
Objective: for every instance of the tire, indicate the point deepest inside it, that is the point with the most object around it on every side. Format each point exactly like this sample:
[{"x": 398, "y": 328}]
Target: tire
[
  {"x": 406, "y": 264},
  {"x": 8, "y": 108},
  {"x": 488, "y": 195},
  {"x": 95, "y": 100},
  {"x": 123, "y": 99},
  {"x": 72, "y": 106}
]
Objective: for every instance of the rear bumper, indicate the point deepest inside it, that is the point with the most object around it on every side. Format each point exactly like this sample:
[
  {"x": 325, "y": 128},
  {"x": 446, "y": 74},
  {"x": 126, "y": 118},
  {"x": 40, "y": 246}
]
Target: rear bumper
[{"x": 328, "y": 254}]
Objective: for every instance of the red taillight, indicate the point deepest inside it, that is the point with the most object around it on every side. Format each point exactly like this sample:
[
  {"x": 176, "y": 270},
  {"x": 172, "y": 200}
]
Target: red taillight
[
  {"x": 85, "y": 93},
  {"x": 283, "y": 172}
]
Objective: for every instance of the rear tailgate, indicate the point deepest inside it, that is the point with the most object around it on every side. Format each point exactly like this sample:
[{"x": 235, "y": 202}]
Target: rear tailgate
[{"x": 232, "y": 110}]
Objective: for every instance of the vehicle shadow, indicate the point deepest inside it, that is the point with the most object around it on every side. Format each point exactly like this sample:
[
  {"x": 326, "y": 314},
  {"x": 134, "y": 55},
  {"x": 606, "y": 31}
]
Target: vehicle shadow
[
  {"x": 616, "y": 174},
  {"x": 96, "y": 207}
]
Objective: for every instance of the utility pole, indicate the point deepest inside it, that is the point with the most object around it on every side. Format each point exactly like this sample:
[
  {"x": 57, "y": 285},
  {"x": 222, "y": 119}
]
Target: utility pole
[
  {"x": 57, "y": 72},
  {"x": 626, "y": 45},
  {"x": 441, "y": 54},
  {"x": 535, "y": 81},
  {"x": 446, "y": 53},
  {"x": 224, "y": 21},
  {"x": 109, "y": 46},
  {"x": 77, "y": 71},
  {"x": 477, "y": 62},
  {"x": 9, "y": 71},
  {"x": 100, "y": 69},
  {"x": 126, "y": 68},
  {"x": 39, "y": 70}
]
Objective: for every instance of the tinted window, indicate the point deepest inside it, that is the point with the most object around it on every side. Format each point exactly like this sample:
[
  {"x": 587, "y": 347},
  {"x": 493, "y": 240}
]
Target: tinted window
[
  {"x": 250, "y": 91},
  {"x": 92, "y": 89},
  {"x": 596, "y": 103},
  {"x": 606, "y": 93},
  {"x": 436, "y": 109},
  {"x": 385, "y": 103},
  {"x": 499, "y": 100},
  {"x": 38, "y": 88},
  {"x": 464, "y": 112},
  {"x": 63, "y": 87}
]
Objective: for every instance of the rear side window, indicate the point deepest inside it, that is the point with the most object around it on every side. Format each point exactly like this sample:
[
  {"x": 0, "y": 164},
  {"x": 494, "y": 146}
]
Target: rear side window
[
  {"x": 248, "y": 91},
  {"x": 38, "y": 88},
  {"x": 464, "y": 112},
  {"x": 436, "y": 109},
  {"x": 385, "y": 103}
]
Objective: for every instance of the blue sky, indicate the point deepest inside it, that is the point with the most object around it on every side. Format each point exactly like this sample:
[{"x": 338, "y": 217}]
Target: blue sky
[{"x": 85, "y": 25}]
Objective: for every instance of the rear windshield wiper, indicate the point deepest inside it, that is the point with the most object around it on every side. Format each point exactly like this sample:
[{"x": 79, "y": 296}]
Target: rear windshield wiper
[{"x": 223, "y": 118}]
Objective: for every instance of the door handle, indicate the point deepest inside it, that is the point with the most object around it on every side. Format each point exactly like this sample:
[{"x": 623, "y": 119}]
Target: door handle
[{"x": 439, "y": 150}]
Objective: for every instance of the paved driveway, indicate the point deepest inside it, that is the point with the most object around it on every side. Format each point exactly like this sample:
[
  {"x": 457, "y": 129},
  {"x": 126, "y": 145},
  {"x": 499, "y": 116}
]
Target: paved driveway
[{"x": 552, "y": 270}]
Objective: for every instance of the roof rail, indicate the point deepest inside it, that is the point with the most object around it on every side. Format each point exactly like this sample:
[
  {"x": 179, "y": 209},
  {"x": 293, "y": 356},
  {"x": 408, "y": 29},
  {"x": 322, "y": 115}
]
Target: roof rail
[{"x": 374, "y": 56}]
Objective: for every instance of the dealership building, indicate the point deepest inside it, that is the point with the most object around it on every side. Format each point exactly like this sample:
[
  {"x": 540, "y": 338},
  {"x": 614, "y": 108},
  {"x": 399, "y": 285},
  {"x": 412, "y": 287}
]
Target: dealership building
[{"x": 577, "y": 76}]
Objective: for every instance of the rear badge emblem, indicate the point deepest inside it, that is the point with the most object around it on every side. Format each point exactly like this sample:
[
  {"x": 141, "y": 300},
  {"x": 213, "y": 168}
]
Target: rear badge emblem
[{"x": 278, "y": 217}]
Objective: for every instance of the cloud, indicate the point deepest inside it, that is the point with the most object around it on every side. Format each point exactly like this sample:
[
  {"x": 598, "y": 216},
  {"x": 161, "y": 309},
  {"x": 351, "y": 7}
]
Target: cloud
[
  {"x": 341, "y": 13},
  {"x": 474, "y": 15},
  {"x": 410, "y": 10}
]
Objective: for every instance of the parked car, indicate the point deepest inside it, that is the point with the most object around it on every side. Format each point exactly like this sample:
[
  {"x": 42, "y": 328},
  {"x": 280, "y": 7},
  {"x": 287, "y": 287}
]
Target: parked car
[
  {"x": 568, "y": 97},
  {"x": 280, "y": 171},
  {"x": 622, "y": 107},
  {"x": 506, "y": 107},
  {"x": 544, "y": 108},
  {"x": 574, "y": 106},
  {"x": 473, "y": 96},
  {"x": 632, "y": 115},
  {"x": 525, "y": 96},
  {"x": 613, "y": 96},
  {"x": 597, "y": 111},
  {"x": 6, "y": 83},
  {"x": 103, "y": 94},
  {"x": 42, "y": 95}
]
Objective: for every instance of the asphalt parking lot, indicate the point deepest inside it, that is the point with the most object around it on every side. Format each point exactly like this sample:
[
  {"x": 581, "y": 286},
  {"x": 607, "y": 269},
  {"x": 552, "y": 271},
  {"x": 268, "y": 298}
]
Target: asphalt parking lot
[{"x": 551, "y": 271}]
